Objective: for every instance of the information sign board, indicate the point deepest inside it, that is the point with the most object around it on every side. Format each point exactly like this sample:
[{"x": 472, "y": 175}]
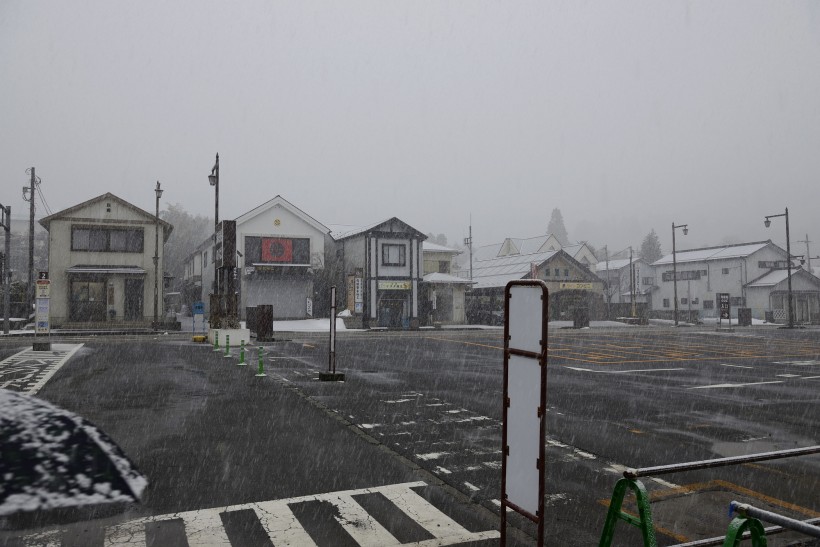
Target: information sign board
[
  {"x": 725, "y": 307},
  {"x": 525, "y": 402}
]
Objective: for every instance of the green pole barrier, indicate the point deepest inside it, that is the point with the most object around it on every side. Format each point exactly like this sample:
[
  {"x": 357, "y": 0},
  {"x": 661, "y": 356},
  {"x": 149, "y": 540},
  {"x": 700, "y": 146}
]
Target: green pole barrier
[
  {"x": 643, "y": 521},
  {"x": 216, "y": 340},
  {"x": 261, "y": 364},
  {"x": 227, "y": 345},
  {"x": 241, "y": 353},
  {"x": 738, "y": 526}
]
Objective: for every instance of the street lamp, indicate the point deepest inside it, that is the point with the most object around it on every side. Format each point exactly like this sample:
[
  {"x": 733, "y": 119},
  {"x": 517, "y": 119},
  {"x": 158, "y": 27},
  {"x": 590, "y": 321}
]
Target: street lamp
[
  {"x": 158, "y": 191},
  {"x": 768, "y": 223},
  {"x": 213, "y": 178},
  {"x": 675, "y": 265}
]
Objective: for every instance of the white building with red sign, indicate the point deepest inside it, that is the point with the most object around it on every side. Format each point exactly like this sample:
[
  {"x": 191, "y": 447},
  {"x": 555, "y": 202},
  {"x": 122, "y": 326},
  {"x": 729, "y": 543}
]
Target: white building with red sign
[{"x": 280, "y": 251}]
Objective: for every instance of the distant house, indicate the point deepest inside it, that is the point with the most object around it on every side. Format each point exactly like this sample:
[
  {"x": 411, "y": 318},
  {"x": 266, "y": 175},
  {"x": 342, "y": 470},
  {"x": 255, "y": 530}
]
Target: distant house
[
  {"x": 619, "y": 286},
  {"x": 101, "y": 263},
  {"x": 731, "y": 269},
  {"x": 571, "y": 284},
  {"x": 442, "y": 293},
  {"x": 380, "y": 269},
  {"x": 769, "y": 293}
]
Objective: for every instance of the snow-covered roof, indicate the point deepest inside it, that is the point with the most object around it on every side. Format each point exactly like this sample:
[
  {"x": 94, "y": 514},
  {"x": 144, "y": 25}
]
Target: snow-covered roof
[
  {"x": 436, "y": 248},
  {"x": 499, "y": 271},
  {"x": 436, "y": 277},
  {"x": 340, "y": 231},
  {"x": 282, "y": 202},
  {"x": 521, "y": 246},
  {"x": 616, "y": 264},
  {"x": 770, "y": 279},
  {"x": 714, "y": 253}
]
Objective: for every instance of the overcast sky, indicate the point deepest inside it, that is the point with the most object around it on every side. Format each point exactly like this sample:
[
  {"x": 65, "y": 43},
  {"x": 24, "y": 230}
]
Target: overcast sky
[{"x": 625, "y": 115}]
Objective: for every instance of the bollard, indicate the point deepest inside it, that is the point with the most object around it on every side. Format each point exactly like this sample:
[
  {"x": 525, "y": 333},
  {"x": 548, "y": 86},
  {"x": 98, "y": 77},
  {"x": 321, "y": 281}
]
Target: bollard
[
  {"x": 227, "y": 345},
  {"x": 261, "y": 364},
  {"x": 216, "y": 340},
  {"x": 242, "y": 354}
]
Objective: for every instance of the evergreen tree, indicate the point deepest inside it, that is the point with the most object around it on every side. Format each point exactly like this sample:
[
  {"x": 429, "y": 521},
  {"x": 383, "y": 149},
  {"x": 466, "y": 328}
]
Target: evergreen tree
[
  {"x": 189, "y": 231},
  {"x": 651, "y": 247},
  {"x": 556, "y": 227}
]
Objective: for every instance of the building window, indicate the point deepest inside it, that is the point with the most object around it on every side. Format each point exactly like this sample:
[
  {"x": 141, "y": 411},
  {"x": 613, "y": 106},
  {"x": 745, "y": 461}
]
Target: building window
[
  {"x": 566, "y": 272},
  {"x": 684, "y": 301},
  {"x": 704, "y": 273},
  {"x": 444, "y": 266},
  {"x": 557, "y": 272},
  {"x": 648, "y": 281},
  {"x": 393, "y": 255},
  {"x": 737, "y": 301},
  {"x": 665, "y": 302},
  {"x": 695, "y": 301},
  {"x": 546, "y": 272},
  {"x": 117, "y": 240},
  {"x": 708, "y": 304},
  {"x": 725, "y": 271}
]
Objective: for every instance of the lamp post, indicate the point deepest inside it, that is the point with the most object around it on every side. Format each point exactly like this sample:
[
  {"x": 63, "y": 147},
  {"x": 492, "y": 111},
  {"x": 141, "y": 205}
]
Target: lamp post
[
  {"x": 675, "y": 266},
  {"x": 213, "y": 178},
  {"x": 158, "y": 191},
  {"x": 768, "y": 223}
]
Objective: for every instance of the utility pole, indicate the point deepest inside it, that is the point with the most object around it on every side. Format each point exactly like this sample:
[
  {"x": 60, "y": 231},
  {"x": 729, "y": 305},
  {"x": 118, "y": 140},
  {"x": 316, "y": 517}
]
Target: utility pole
[
  {"x": 632, "y": 282},
  {"x": 30, "y": 199},
  {"x": 5, "y": 222},
  {"x": 608, "y": 288},
  {"x": 469, "y": 242}
]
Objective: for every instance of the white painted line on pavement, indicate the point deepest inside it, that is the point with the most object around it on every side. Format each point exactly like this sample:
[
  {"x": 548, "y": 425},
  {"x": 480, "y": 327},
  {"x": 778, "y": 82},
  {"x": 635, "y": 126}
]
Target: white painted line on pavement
[
  {"x": 471, "y": 486},
  {"x": 431, "y": 455},
  {"x": 713, "y": 386},
  {"x": 787, "y": 375},
  {"x": 735, "y": 366},
  {"x": 623, "y": 371}
]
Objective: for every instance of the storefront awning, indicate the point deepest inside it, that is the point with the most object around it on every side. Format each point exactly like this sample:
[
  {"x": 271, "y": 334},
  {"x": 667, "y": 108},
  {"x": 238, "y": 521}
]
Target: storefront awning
[{"x": 122, "y": 270}]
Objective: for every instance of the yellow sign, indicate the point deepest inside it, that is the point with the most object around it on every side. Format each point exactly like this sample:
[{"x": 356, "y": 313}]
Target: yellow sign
[
  {"x": 394, "y": 285},
  {"x": 585, "y": 286}
]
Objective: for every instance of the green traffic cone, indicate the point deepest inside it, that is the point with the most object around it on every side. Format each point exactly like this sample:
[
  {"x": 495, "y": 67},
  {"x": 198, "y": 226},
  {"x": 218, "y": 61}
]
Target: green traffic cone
[
  {"x": 242, "y": 354},
  {"x": 261, "y": 364}
]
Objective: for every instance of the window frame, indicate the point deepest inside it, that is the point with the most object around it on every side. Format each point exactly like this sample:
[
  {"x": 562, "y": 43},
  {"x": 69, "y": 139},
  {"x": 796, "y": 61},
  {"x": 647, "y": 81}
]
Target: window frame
[{"x": 402, "y": 258}]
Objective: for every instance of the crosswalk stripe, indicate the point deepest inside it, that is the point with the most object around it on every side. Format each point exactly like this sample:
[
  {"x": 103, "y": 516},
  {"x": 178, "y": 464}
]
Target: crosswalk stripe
[
  {"x": 204, "y": 528},
  {"x": 281, "y": 525}
]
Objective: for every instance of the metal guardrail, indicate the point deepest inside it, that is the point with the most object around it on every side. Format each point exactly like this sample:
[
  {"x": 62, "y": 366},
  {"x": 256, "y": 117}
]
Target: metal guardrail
[
  {"x": 718, "y": 462},
  {"x": 746, "y": 510},
  {"x": 719, "y": 540},
  {"x": 644, "y": 519}
]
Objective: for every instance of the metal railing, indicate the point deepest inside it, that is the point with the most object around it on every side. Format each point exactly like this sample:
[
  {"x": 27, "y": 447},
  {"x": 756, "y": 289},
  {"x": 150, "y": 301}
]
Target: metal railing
[{"x": 644, "y": 519}]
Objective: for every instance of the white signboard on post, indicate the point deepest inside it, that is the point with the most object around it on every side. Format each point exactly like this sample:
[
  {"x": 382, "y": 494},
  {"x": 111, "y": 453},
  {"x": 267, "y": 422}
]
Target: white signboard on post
[{"x": 525, "y": 400}]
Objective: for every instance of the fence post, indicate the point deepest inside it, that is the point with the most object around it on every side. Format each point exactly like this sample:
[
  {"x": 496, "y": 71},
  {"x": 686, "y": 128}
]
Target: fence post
[
  {"x": 227, "y": 345},
  {"x": 643, "y": 521},
  {"x": 216, "y": 340}
]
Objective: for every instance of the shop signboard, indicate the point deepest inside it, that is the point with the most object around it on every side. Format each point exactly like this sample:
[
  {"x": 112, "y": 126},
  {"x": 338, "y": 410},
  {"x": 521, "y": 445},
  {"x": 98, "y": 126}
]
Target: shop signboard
[{"x": 394, "y": 285}]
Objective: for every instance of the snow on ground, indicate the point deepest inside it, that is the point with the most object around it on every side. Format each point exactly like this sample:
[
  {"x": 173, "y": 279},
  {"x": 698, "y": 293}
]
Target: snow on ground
[{"x": 307, "y": 325}]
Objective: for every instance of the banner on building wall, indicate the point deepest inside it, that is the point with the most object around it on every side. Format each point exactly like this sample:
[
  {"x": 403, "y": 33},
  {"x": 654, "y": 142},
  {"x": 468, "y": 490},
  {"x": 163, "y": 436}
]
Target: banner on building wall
[
  {"x": 584, "y": 286},
  {"x": 277, "y": 250}
]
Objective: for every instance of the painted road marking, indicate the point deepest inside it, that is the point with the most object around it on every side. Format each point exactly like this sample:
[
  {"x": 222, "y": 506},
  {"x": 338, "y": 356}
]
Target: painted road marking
[
  {"x": 798, "y": 363},
  {"x": 737, "y": 385},
  {"x": 205, "y": 527},
  {"x": 29, "y": 370},
  {"x": 735, "y": 366},
  {"x": 623, "y": 371}
]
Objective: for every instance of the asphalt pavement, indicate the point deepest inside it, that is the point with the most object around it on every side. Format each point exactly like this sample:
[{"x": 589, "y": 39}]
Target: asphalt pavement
[{"x": 408, "y": 447}]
